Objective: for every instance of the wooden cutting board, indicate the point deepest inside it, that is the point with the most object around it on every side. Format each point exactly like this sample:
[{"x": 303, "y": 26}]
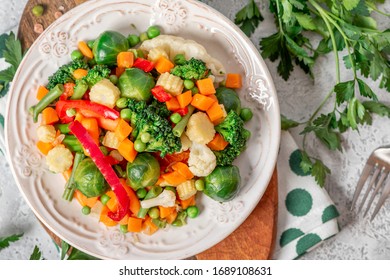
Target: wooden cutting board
[{"x": 254, "y": 239}]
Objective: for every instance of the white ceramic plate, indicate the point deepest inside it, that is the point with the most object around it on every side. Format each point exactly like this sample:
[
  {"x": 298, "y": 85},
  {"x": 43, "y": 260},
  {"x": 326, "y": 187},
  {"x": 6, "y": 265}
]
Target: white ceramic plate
[{"x": 189, "y": 19}]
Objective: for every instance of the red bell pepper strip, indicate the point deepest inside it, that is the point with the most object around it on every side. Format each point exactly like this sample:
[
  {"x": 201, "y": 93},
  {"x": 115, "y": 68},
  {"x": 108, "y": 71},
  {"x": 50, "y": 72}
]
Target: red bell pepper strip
[
  {"x": 182, "y": 111},
  {"x": 105, "y": 168},
  {"x": 160, "y": 94},
  {"x": 143, "y": 64},
  {"x": 100, "y": 109}
]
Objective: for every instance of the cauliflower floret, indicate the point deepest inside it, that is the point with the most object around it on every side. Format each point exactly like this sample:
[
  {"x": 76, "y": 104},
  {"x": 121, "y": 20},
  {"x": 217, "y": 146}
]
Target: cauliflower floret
[
  {"x": 166, "y": 199},
  {"x": 200, "y": 129},
  {"x": 46, "y": 133},
  {"x": 171, "y": 83},
  {"x": 185, "y": 143},
  {"x": 202, "y": 160},
  {"x": 110, "y": 140},
  {"x": 59, "y": 159},
  {"x": 174, "y": 45},
  {"x": 105, "y": 92},
  {"x": 155, "y": 53}
]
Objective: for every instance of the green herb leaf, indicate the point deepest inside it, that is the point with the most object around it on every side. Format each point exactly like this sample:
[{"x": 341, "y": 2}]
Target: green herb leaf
[
  {"x": 286, "y": 123},
  {"x": 64, "y": 249},
  {"x": 319, "y": 171},
  {"x": 377, "y": 108},
  {"x": 76, "y": 254},
  {"x": 366, "y": 91},
  {"x": 306, "y": 164},
  {"x": 5, "y": 241},
  {"x": 36, "y": 254},
  {"x": 12, "y": 53},
  {"x": 248, "y": 18},
  {"x": 350, "y": 4},
  {"x": 3, "y": 38},
  {"x": 344, "y": 91},
  {"x": 305, "y": 20}
]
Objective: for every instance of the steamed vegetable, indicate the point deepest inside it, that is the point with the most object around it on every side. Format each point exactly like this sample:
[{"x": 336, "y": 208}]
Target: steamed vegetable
[
  {"x": 65, "y": 73},
  {"x": 144, "y": 171},
  {"x": 229, "y": 98},
  {"x": 135, "y": 83},
  {"x": 192, "y": 69},
  {"x": 89, "y": 180},
  {"x": 107, "y": 46},
  {"x": 223, "y": 183}
]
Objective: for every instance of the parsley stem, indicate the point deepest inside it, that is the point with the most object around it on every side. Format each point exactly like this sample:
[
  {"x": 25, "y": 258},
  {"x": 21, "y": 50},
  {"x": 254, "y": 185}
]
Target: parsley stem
[
  {"x": 373, "y": 6},
  {"x": 279, "y": 19}
]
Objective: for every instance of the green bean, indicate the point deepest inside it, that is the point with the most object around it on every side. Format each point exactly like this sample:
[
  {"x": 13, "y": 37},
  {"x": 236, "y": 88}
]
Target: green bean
[
  {"x": 123, "y": 228},
  {"x": 79, "y": 90},
  {"x": 70, "y": 184},
  {"x": 52, "y": 95},
  {"x": 152, "y": 193},
  {"x": 179, "y": 128},
  {"x": 63, "y": 128},
  {"x": 72, "y": 143}
]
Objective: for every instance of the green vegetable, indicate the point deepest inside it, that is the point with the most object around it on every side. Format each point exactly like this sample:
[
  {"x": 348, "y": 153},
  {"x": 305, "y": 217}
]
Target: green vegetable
[
  {"x": 192, "y": 211},
  {"x": 86, "y": 210},
  {"x": 71, "y": 112},
  {"x": 181, "y": 125},
  {"x": 152, "y": 193},
  {"x": 143, "y": 36},
  {"x": 72, "y": 143},
  {"x": 95, "y": 75},
  {"x": 121, "y": 103},
  {"x": 194, "y": 90},
  {"x": 126, "y": 114},
  {"x": 246, "y": 114},
  {"x": 113, "y": 79},
  {"x": 180, "y": 219},
  {"x": 223, "y": 183},
  {"x": 248, "y": 18},
  {"x": 51, "y": 96},
  {"x": 119, "y": 171},
  {"x": 90, "y": 44},
  {"x": 107, "y": 47},
  {"x": 153, "y": 31},
  {"x": 175, "y": 118},
  {"x": 38, "y": 10},
  {"x": 191, "y": 69},
  {"x": 80, "y": 89},
  {"x": 145, "y": 137},
  {"x": 76, "y": 54},
  {"x": 104, "y": 199},
  {"x": 89, "y": 180},
  {"x": 133, "y": 40},
  {"x": 159, "y": 223},
  {"x": 139, "y": 146},
  {"x": 229, "y": 98},
  {"x": 233, "y": 131},
  {"x": 154, "y": 213},
  {"x": 199, "y": 185},
  {"x": 179, "y": 59},
  {"x": 141, "y": 193},
  {"x": 189, "y": 84},
  {"x": 63, "y": 128},
  {"x": 123, "y": 228},
  {"x": 70, "y": 185},
  {"x": 65, "y": 73},
  {"x": 144, "y": 171},
  {"x": 152, "y": 119},
  {"x": 135, "y": 83},
  {"x": 36, "y": 255},
  {"x": 5, "y": 241}
]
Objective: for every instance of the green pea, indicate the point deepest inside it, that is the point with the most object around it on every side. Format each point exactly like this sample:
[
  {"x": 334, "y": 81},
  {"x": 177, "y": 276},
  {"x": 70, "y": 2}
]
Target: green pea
[
  {"x": 38, "y": 10},
  {"x": 121, "y": 103},
  {"x": 179, "y": 59},
  {"x": 90, "y": 43},
  {"x": 141, "y": 193},
  {"x": 192, "y": 211},
  {"x": 188, "y": 84},
  {"x": 76, "y": 54},
  {"x": 86, "y": 210},
  {"x": 126, "y": 114},
  {"x": 246, "y": 114},
  {"x": 143, "y": 37},
  {"x": 114, "y": 79},
  {"x": 172, "y": 189},
  {"x": 145, "y": 137},
  {"x": 247, "y": 134},
  {"x": 133, "y": 40},
  {"x": 195, "y": 90},
  {"x": 104, "y": 150},
  {"x": 139, "y": 146},
  {"x": 154, "y": 213},
  {"x": 123, "y": 228},
  {"x": 153, "y": 32},
  {"x": 175, "y": 118},
  {"x": 104, "y": 199},
  {"x": 199, "y": 185}
]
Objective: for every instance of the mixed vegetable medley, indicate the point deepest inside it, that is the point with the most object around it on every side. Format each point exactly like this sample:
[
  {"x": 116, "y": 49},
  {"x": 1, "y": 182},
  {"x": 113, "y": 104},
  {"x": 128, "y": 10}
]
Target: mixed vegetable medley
[{"x": 140, "y": 125}]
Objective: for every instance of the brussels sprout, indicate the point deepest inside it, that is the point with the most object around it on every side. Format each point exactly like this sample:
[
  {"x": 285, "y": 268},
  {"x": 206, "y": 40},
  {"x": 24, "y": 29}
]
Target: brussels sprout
[
  {"x": 143, "y": 171},
  {"x": 229, "y": 98},
  {"x": 89, "y": 180},
  {"x": 223, "y": 183},
  {"x": 135, "y": 83},
  {"x": 107, "y": 46}
]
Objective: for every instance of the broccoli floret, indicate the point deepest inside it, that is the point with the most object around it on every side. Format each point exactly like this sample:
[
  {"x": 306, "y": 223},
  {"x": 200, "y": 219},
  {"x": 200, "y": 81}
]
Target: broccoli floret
[
  {"x": 233, "y": 131},
  {"x": 96, "y": 74},
  {"x": 152, "y": 119},
  {"x": 65, "y": 73},
  {"x": 191, "y": 69}
]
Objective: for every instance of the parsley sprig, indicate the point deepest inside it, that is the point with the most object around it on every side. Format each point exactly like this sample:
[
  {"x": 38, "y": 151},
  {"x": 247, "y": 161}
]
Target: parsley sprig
[
  {"x": 248, "y": 18},
  {"x": 342, "y": 25},
  {"x": 6, "y": 241}
]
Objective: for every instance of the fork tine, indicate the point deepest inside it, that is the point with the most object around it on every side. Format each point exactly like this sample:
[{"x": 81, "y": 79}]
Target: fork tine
[
  {"x": 363, "y": 177},
  {"x": 382, "y": 200},
  {"x": 377, "y": 187},
  {"x": 370, "y": 184}
]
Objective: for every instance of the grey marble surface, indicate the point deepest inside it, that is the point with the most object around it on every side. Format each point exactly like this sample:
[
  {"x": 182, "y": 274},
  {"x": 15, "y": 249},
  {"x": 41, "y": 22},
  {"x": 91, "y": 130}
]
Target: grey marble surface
[{"x": 358, "y": 238}]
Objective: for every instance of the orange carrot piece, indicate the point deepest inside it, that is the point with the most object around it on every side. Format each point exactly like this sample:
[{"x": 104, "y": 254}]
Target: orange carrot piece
[
  {"x": 172, "y": 104},
  {"x": 174, "y": 178},
  {"x": 166, "y": 211},
  {"x": 213, "y": 97},
  {"x": 134, "y": 224},
  {"x": 42, "y": 91},
  {"x": 163, "y": 65},
  {"x": 215, "y": 112},
  {"x": 49, "y": 116},
  {"x": 184, "y": 99},
  {"x": 148, "y": 227},
  {"x": 67, "y": 174},
  {"x": 218, "y": 143},
  {"x": 125, "y": 220},
  {"x": 85, "y": 50},
  {"x": 126, "y": 149},
  {"x": 233, "y": 80},
  {"x": 44, "y": 148},
  {"x": 104, "y": 217},
  {"x": 68, "y": 90},
  {"x": 85, "y": 201},
  {"x": 80, "y": 73},
  {"x": 91, "y": 125},
  {"x": 107, "y": 124},
  {"x": 119, "y": 71},
  {"x": 135, "y": 204},
  {"x": 112, "y": 203},
  {"x": 202, "y": 102},
  {"x": 206, "y": 86},
  {"x": 171, "y": 217},
  {"x": 188, "y": 202},
  {"x": 183, "y": 169},
  {"x": 125, "y": 59},
  {"x": 123, "y": 130}
]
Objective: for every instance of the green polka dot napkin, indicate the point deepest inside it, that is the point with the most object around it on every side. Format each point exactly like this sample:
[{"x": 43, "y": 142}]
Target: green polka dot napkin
[{"x": 307, "y": 215}]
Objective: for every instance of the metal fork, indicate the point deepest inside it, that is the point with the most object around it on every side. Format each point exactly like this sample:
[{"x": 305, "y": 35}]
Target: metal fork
[{"x": 378, "y": 167}]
